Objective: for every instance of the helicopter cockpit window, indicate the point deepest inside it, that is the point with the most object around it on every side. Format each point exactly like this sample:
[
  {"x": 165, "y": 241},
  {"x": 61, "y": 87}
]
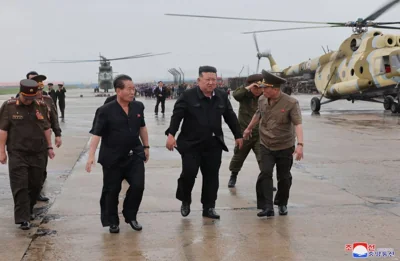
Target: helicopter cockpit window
[
  {"x": 354, "y": 44},
  {"x": 395, "y": 59}
]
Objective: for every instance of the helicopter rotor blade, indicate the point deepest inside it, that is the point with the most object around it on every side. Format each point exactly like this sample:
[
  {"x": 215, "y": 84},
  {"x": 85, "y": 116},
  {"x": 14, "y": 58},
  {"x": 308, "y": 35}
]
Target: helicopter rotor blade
[
  {"x": 293, "y": 28},
  {"x": 258, "y": 64},
  {"x": 385, "y": 27},
  {"x": 135, "y": 57},
  {"x": 255, "y": 41},
  {"x": 255, "y": 19},
  {"x": 381, "y": 23},
  {"x": 381, "y": 10}
]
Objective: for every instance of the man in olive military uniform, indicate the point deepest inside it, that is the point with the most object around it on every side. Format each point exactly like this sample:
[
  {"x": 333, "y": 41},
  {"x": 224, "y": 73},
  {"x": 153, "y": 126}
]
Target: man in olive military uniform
[
  {"x": 54, "y": 124},
  {"x": 247, "y": 96},
  {"x": 60, "y": 93},
  {"x": 280, "y": 123},
  {"x": 52, "y": 93},
  {"x": 25, "y": 129}
]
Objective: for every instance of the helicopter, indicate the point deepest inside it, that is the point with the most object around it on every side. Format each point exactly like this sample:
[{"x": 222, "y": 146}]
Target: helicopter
[
  {"x": 365, "y": 67},
  {"x": 105, "y": 74}
]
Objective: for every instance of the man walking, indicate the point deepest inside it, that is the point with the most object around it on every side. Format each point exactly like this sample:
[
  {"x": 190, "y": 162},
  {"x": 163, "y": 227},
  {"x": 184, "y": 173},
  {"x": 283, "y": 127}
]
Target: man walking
[
  {"x": 25, "y": 129},
  {"x": 119, "y": 124},
  {"x": 201, "y": 139},
  {"x": 60, "y": 93},
  {"x": 280, "y": 122},
  {"x": 161, "y": 94}
]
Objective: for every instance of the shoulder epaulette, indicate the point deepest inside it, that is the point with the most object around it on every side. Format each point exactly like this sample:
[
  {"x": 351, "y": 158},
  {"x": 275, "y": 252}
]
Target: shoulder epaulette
[
  {"x": 12, "y": 101},
  {"x": 40, "y": 102}
]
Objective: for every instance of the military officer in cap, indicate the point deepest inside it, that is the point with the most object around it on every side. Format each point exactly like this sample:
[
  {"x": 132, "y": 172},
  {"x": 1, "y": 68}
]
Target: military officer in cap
[
  {"x": 280, "y": 121},
  {"x": 25, "y": 129},
  {"x": 52, "y": 93},
  {"x": 29, "y": 75},
  {"x": 54, "y": 124},
  {"x": 247, "y": 96},
  {"x": 60, "y": 93}
]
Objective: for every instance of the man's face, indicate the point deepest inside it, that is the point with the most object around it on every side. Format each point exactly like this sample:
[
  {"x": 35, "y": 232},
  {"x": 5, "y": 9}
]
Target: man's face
[
  {"x": 127, "y": 94},
  {"x": 24, "y": 100},
  {"x": 270, "y": 92},
  {"x": 207, "y": 82},
  {"x": 256, "y": 91},
  {"x": 39, "y": 93}
]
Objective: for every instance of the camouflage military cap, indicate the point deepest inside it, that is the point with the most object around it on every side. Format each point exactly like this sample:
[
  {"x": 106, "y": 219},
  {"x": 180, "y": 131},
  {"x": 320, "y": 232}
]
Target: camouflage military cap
[
  {"x": 254, "y": 78},
  {"x": 271, "y": 80},
  {"x": 28, "y": 88}
]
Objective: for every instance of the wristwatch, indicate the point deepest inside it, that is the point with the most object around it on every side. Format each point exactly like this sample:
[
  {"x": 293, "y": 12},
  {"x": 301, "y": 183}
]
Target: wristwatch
[
  {"x": 146, "y": 147},
  {"x": 300, "y": 144},
  {"x": 49, "y": 148}
]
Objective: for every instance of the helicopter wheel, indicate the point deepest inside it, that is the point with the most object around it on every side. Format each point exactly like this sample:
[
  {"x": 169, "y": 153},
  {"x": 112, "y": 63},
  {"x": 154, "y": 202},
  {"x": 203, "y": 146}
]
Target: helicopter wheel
[
  {"x": 394, "y": 107},
  {"x": 387, "y": 104},
  {"x": 315, "y": 104}
]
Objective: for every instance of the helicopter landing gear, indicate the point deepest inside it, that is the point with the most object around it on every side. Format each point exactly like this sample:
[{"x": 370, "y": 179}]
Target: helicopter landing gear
[
  {"x": 315, "y": 104},
  {"x": 387, "y": 104},
  {"x": 394, "y": 107}
]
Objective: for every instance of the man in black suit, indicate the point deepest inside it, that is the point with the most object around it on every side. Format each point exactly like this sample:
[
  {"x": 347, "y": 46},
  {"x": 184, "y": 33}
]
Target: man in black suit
[
  {"x": 201, "y": 139},
  {"x": 161, "y": 94}
]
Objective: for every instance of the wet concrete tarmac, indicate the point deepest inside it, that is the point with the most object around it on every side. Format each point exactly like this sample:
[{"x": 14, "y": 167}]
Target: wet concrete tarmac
[{"x": 345, "y": 190}]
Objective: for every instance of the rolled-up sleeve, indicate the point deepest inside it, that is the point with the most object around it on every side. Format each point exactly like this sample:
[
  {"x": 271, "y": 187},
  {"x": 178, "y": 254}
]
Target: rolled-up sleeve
[
  {"x": 4, "y": 122},
  {"x": 99, "y": 123},
  {"x": 295, "y": 114},
  {"x": 142, "y": 122}
]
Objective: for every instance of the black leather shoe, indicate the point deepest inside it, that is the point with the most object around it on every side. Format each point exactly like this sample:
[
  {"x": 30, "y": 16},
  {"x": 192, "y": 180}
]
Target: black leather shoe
[
  {"x": 135, "y": 225},
  {"x": 210, "y": 213},
  {"x": 185, "y": 209},
  {"x": 42, "y": 198},
  {"x": 114, "y": 229},
  {"x": 282, "y": 210},
  {"x": 266, "y": 213},
  {"x": 25, "y": 225},
  {"x": 232, "y": 181}
]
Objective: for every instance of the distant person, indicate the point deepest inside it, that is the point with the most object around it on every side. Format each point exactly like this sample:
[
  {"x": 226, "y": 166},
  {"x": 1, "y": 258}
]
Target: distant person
[
  {"x": 60, "y": 93},
  {"x": 161, "y": 94},
  {"x": 201, "y": 139},
  {"x": 280, "y": 121},
  {"x": 52, "y": 93},
  {"x": 124, "y": 149}
]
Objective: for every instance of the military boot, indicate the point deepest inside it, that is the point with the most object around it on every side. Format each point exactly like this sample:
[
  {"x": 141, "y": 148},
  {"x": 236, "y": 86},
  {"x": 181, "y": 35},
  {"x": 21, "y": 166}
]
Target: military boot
[{"x": 232, "y": 180}]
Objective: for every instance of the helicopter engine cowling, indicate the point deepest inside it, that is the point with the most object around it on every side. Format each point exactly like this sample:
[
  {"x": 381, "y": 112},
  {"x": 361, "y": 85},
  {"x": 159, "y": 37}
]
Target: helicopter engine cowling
[
  {"x": 382, "y": 41},
  {"x": 349, "y": 87}
]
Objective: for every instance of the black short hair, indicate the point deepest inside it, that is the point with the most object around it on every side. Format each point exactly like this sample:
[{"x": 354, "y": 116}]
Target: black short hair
[
  {"x": 207, "y": 69},
  {"x": 119, "y": 81}
]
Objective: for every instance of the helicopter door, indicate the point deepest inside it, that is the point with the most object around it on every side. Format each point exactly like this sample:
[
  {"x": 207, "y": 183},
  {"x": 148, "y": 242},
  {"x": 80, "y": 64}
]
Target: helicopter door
[{"x": 395, "y": 61}]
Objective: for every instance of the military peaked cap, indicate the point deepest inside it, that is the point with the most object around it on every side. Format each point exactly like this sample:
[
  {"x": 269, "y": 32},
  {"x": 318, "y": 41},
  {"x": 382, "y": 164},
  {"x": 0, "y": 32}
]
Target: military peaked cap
[
  {"x": 271, "y": 80},
  {"x": 39, "y": 78},
  {"x": 254, "y": 78},
  {"x": 28, "y": 88},
  {"x": 31, "y": 73},
  {"x": 50, "y": 84}
]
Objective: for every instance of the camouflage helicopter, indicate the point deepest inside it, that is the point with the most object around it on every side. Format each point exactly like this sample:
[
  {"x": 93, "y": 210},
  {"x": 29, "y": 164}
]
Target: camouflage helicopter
[
  {"x": 105, "y": 74},
  {"x": 366, "y": 66}
]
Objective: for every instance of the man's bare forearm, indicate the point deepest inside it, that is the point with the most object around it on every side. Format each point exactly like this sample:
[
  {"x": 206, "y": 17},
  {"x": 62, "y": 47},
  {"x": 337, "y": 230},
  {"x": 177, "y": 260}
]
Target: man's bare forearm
[
  {"x": 254, "y": 121},
  {"x": 47, "y": 134},
  {"x": 144, "y": 136},
  {"x": 3, "y": 140},
  {"x": 93, "y": 145},
  {"x": 299, "y": 133}
]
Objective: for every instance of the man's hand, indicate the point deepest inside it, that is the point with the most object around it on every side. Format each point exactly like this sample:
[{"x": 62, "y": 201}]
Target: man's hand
[
  {"x": 89, "y": 164},
  {"x": 247, "y": 133},
  {"x": 58, "y": 141},
  {"x": 3, "y": 157},
  {"x": 171, "y": 142},
  {"x": 147, "y": 154},
  {"x": 239, "y": 143},
  {"x": 299, "y": 152},
  {"x": 251, "y": 86},
  {"x": 51, "y": 153}
]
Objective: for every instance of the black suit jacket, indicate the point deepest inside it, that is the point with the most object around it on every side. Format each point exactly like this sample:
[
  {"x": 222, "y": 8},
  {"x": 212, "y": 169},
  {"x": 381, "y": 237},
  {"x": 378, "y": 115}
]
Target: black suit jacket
[
  {"x": 163, "y": 92},
  {"x": 202, "y": 118}
]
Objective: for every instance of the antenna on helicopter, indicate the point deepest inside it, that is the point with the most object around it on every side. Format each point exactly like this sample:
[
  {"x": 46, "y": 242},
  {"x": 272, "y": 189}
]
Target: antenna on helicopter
[{"x": 323, "y": 49}]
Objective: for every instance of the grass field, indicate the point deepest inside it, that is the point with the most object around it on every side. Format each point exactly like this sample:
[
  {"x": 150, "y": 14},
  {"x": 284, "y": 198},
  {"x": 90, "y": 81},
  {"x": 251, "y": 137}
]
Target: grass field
[{"x": 14, "y": 90}]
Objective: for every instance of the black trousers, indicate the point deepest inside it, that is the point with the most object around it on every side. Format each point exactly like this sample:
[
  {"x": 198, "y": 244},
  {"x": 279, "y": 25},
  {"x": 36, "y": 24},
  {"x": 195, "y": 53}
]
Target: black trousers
[
  {"x": 162, "y": 101},
  {"x": 208, "y": 159},
  {"x": 26, "y": 176},
  {"x": 61, "y": 104},
  {"x": 45, "y": 170},
  {"x": 264, "y": 187},
  {"x": 133, "y": 172}
]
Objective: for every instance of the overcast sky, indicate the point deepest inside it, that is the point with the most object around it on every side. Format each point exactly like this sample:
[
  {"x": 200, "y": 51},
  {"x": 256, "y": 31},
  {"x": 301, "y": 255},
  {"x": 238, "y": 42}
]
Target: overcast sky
[{"x": 33, "y": 31}]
